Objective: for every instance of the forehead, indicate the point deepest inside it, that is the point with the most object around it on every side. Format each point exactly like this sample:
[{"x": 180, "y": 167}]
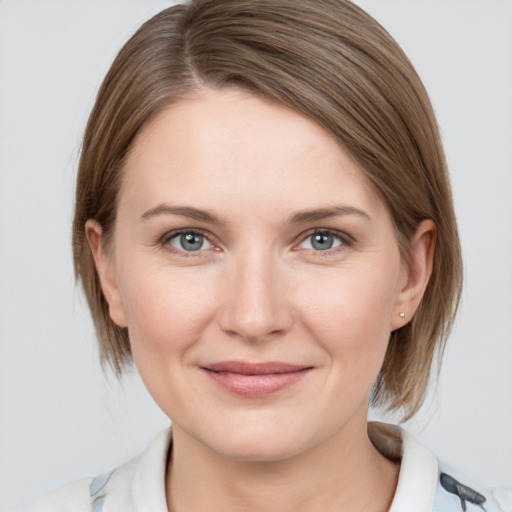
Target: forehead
[{"x": 228, "y": 145}]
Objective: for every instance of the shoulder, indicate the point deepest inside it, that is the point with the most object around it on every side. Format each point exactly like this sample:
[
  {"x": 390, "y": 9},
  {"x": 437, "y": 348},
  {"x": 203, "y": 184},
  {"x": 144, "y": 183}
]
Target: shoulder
[
  {"x": 429, "y": 485},
  {"x": 74, "y": 497},
  {"x": 504, "y": 498},
  {"x": 457, "y": 492},
  {"x": 137, "y": 485}
]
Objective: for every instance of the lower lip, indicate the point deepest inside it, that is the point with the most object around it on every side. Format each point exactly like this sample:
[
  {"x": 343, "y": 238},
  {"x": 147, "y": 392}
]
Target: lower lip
[{"x": 254, "y": 386}]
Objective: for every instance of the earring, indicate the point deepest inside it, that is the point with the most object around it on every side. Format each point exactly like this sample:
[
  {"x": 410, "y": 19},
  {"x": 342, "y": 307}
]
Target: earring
[{"x": 402, "y": 314}]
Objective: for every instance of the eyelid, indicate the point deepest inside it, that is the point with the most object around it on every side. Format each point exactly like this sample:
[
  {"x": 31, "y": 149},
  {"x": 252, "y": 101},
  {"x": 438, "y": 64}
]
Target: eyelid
[
  {"x": 346, "y": 240},
  {"x": 169, "y": 235}
]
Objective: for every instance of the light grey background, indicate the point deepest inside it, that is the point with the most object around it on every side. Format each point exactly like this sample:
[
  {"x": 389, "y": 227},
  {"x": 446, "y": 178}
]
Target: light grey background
[{"x": 60, "y": 418}]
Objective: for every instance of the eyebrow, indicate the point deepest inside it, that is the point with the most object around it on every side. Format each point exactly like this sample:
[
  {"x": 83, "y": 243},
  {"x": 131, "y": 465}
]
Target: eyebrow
[
  {"x": 183, "y": 211},
  {"x": 325, "y": 213},
  {"x": 298, "y": 218}
]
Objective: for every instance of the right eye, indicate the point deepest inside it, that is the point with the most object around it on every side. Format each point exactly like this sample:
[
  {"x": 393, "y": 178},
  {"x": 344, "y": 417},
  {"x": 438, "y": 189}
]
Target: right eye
[{"x": 187, "y": 241}]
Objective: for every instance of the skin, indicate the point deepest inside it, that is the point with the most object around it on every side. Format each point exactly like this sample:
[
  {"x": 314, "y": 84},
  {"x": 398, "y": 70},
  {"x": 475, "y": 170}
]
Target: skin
[{"x": 258, "y": 290}]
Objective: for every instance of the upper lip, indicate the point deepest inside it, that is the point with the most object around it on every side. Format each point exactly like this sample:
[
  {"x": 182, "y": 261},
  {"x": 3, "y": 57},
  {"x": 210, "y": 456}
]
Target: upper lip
[{"x": 246, "y": 368}]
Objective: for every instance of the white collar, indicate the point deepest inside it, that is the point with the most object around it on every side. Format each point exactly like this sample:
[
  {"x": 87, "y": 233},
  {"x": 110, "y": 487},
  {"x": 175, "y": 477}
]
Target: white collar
[
  {"x": 140, "y": 483},
  {"x": 419, "y": 469}
]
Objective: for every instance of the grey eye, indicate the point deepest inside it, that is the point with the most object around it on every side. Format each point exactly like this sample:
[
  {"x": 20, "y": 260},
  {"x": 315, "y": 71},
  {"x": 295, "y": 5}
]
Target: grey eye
[
  {"x": 190, "y": 242},
  {"x": 321, "y": 241}
]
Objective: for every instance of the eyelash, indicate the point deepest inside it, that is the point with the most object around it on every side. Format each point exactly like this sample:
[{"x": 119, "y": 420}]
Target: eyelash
[
  {"x": 164, "y": 241},
  {"x": 345, "y": 239}
]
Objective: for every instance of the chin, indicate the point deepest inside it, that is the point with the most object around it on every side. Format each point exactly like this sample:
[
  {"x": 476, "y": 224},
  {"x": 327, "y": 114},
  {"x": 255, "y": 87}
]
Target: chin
[
  {"x": 262, "y": 448},
  {"x": 258, "y": 439}
]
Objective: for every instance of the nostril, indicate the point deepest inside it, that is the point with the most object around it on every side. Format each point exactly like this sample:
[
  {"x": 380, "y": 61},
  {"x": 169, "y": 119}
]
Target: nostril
[{"x": 255, "y": 325}]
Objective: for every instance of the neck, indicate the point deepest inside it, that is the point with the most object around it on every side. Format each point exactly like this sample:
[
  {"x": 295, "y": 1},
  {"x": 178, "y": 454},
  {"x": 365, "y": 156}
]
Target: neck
[{"x": 345, "y": 472}]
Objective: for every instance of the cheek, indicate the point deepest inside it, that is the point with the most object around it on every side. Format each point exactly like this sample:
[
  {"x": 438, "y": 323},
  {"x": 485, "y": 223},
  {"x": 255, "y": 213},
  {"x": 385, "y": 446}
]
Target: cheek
[
  {"x": 350, "y": 314},
  {"x": 166, "y": 309}
]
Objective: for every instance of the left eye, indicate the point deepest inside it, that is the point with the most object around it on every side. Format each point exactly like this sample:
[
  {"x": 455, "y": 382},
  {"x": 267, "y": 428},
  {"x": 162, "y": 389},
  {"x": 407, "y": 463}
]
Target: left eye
[
  {"x": 321, "y": 241},
  {"x": 189, "y": 241}
]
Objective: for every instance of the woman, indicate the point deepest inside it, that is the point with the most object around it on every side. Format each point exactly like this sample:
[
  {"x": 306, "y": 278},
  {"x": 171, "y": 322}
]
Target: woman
[{"x": 264, "y": 224}]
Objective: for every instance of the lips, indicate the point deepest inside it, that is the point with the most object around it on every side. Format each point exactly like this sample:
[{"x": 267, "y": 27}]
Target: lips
[{"x": 255, "y": 379}]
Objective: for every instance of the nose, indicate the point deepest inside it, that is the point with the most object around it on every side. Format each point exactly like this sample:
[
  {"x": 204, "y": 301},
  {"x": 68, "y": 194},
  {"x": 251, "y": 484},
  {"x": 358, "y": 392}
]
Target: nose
[{"x": 255, "y": 299}]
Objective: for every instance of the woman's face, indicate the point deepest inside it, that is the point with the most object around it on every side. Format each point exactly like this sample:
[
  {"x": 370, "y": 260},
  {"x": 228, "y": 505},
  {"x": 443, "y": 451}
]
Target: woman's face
[{"x": 257, "y": 272}]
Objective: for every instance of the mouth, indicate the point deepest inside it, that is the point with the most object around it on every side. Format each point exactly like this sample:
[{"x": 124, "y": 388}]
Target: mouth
[{"x": 255, "y": 379}]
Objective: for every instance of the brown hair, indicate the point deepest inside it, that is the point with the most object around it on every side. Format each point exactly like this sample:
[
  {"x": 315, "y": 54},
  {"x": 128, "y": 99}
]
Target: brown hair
[{"x": 326, "y": 59}]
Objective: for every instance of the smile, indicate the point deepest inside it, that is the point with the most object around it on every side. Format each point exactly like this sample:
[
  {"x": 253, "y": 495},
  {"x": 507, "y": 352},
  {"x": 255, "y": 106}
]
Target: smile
[{"x": 255, "y": 379}]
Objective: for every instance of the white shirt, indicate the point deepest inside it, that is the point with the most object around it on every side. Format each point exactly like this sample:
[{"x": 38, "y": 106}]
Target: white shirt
[{"x": 424, "y": 485}]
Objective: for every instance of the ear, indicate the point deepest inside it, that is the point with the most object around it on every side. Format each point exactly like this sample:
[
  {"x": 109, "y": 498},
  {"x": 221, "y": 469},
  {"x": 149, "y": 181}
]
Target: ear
[
  {"x": 416, "y": 274},
  {"x": 106, "y": 272}
]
